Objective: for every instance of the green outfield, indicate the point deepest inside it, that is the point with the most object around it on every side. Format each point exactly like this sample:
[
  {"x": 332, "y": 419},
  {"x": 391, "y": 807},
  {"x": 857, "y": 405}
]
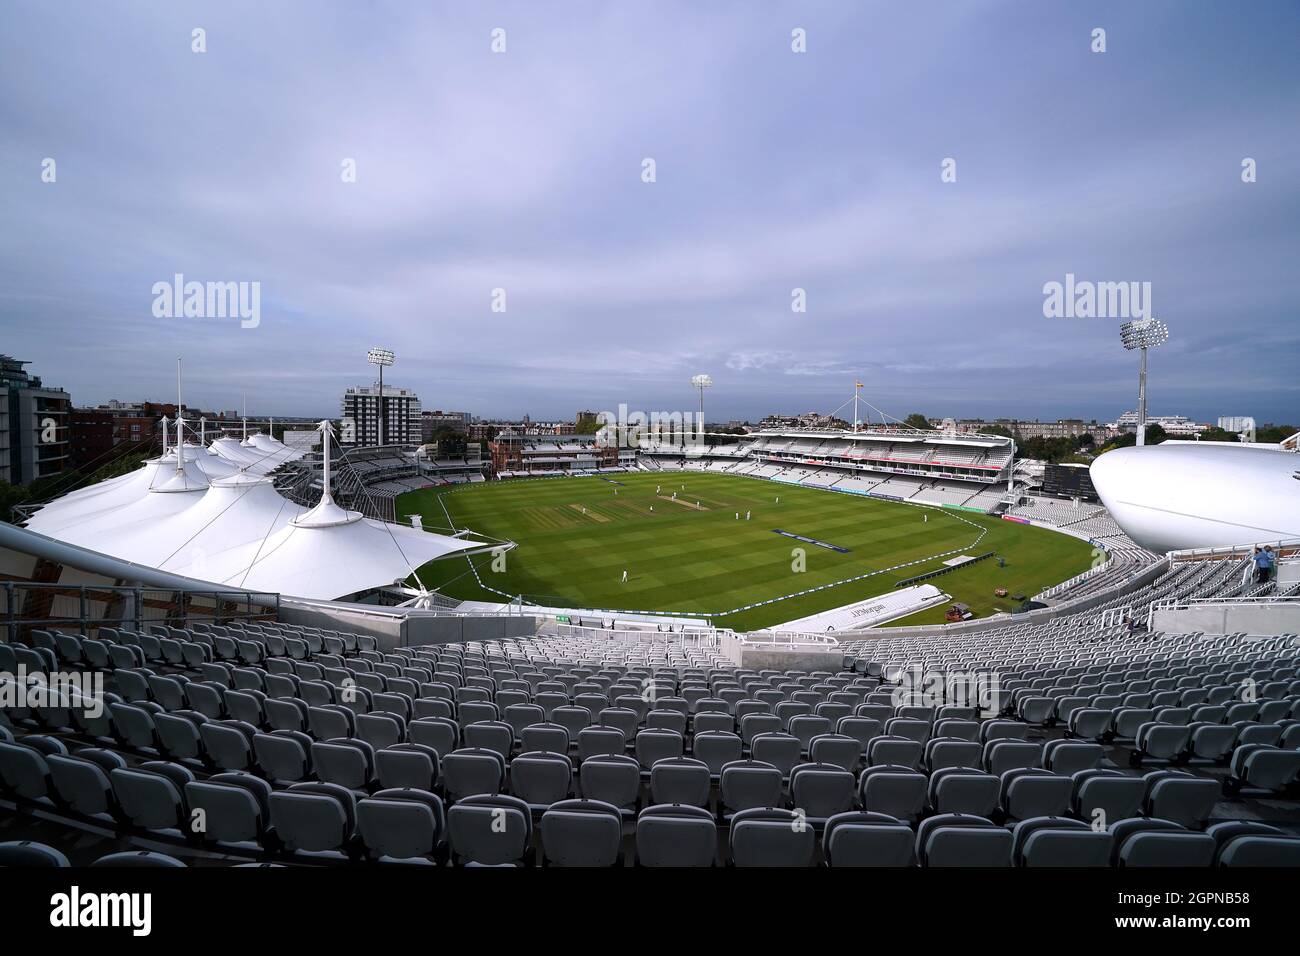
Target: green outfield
[{"x": 692, "y": 555}]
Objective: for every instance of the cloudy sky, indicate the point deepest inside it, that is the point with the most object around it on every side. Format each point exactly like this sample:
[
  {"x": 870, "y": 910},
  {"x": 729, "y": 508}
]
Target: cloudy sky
[{"x": 775, "y": 170}]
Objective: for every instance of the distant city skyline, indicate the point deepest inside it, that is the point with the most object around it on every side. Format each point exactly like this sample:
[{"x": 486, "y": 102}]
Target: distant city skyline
[
  {"x": 375, "y": 175},
  {"x": 715, "y": 417}
]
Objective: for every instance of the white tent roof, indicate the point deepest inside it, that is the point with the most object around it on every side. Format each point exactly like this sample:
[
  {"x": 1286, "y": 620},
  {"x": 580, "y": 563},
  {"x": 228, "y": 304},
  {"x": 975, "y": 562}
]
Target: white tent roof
[
  {"x": 100, "y": 498},
  {"x": 149, "y": 511},
  {"x": 260, "y": 454},
  {"x": 241, "y": 509},
  {"x": 314, "y": 560},
  {"x": 237, "y": 530}
]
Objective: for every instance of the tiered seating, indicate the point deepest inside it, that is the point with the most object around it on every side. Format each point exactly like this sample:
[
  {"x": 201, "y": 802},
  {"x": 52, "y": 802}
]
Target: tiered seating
[
  {"x": 1059, "y": 513},
  {"x": 900, "y": 486},
  {"x": 310, "y": 747},
  {"x": 943, "y": 493}
]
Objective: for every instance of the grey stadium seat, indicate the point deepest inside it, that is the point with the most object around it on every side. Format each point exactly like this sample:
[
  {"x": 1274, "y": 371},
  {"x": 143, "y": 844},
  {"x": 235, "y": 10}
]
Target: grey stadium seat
[
  {"x": 23, "y": 771},
  {"x": 1033, "y": 792},
  {"x": 1260, "y": 850},
  {"x": 490, "y": 830},
  {"x": 400, "y": 829},
  {"x": 581, "y": 833},
  {"x": 82, "y": 781},
  {"x": 611, "y": 779},
  {"x": 1070, "y": 756},
  {"x": 151, "y": 795},
  {"x": 771, "y": 837},
  {"x": 680, "y": 780},
  {"x": 1262, "y": 767},
  {"x": 347, "y": 762},
  {"x": 544, "y": 737},
  {"x": 541, "y": 779},
  {"x": 283, "y": 756},
  {"x": 954, "y": 839},
  {"x": 1181, "y": 797},
  {"x": 1060, "y": 842},
  {"x": 838, "y": 749},
  {"x": 964, "y": 790},
  {"x": 236, "y": 806},
  {"x": 676, "y": 835},
  {"x": 781, "y": 750},
  {"x": 716, "y": 749},
  {"x": 897, "y": 791},
  {"x": 652, "y": 745},
  {"x": 23, "y": 853},
  {"x": 407, "y": 765},
  {"x": 821, "y": 790},
  {"x": 750, "y": 784},
  {"x": 1110, "y": 793},
  {"x": 314, "y": 818},
  {"x": 860, "y": 838},
  {"x": 469, "y": 772},
  {"x": 141, "y": 858},
  {"x": 1167, "y": 848},
  {"x": 945, "y": 752}
]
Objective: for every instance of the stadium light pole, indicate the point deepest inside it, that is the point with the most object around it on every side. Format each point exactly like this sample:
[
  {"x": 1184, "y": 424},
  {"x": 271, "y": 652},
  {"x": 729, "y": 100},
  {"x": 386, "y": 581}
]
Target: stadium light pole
[
  {"x": 382, "y": 358},
  {"x": 701, "y": 382},
  {"x": 1143, "y": 335}
]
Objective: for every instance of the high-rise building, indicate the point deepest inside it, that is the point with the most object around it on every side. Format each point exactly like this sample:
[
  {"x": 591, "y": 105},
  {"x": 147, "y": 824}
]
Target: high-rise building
[
  {"x": 33, "y": 425},
  {"x": 440, "y": 421},
  {"x": 402, "y": 422}
]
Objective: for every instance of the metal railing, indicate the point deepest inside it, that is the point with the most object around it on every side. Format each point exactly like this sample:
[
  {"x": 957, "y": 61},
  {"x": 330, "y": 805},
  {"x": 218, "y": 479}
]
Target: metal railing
[
  {"x": 686, "y": 637},
  {"x": 28, "y": 606},
  {"x": 791, "y": 638}
]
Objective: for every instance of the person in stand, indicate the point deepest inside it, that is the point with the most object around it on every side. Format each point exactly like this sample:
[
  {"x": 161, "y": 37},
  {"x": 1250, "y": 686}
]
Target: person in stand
[
  {"x": 1271, "y": 562},
  {"x": 1261, "y": 566}
]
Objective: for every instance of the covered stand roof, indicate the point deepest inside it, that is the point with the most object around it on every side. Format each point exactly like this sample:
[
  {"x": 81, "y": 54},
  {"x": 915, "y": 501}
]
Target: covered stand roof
[{"x": 214, "y": 516}]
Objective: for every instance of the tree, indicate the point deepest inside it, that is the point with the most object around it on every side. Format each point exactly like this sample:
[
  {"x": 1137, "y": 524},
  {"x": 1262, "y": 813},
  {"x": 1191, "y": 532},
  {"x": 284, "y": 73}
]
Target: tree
[
  {"x": 1274, "y": 433},
  {"x": 1155, "y": 435},
  {"x": 917, "y": 420}
]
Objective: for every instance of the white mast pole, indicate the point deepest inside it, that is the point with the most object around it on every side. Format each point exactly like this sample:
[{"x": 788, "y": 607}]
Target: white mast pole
[
  {"x": 245, "y": 419},
  {"x": 203, "y": 431},
  {"x": 180, "y": 432},
  {"x": 180, "y": 444},
  {"x": 326, "y": 431}
]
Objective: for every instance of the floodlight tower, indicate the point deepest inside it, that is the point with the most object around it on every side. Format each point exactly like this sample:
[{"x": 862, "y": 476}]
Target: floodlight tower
[
  {"x": 382, "y": 358},
  {"x": 701, "y": 382},
  {"x": 1143, "y": 335}
]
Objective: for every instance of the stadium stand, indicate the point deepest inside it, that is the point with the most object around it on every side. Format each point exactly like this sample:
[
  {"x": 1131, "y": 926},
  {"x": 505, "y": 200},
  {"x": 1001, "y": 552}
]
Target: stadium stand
[{"x": 315, "y": 747}]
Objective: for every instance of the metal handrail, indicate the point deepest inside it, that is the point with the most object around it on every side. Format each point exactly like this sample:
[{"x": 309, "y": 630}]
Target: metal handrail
[{"x": 178, "y": 605}]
